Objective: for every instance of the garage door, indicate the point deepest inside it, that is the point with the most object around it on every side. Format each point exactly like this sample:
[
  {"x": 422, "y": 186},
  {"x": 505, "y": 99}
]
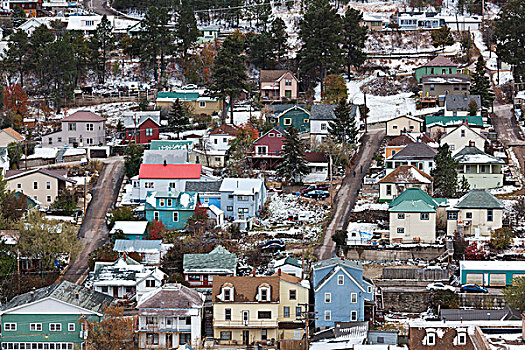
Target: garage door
[
  {"x": 475, "y": 278},
  {"x": 498, "y": 280}
]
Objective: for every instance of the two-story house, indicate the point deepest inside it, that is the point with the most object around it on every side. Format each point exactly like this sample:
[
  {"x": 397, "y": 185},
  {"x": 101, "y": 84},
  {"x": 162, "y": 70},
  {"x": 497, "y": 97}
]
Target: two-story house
[
  {"x": 417, "y": 154},
  {"x": 242, "y": 198},
  {"x": 476, "y": 214},
  {"x": 199, "y": 270},
  {"x": 267, "y": 149},
  {"x": 294, "y": 300},
  {"x": 172, "y": 208},
  {"x": 195, "y": 100},
  {"x": 245, "y": 310},
  {"x": 9, "y": 135},
  {"x": 341, "y": 292},
  {"x": 42, "y": 185},
  {"x": 51, "y": 317},
  {"x": 82, "y": 128},
  {"x": 141, "y": 127},
  {"x": 403, "y": 177},
  {"x": 403, "y": 124},
  {"x": 170, "y": 316},
  {"x": 320, "y": 118},
  {"x": 438, "y": 125},
  {"x": 444, "y": 84},
  {"x": 285, "y": 116},
  {"x": 481, "y": 170},
  {"x": 150, "y": 251},
  {"x": 463, "y": 136},
  {"x": 277, "y": 85},
  {"x": 439, "y": 65},
  {"x": 212, "y": 152}
]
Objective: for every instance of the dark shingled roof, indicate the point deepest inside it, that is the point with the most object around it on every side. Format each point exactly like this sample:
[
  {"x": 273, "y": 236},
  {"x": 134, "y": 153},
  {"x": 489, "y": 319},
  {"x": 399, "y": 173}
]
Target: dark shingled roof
[
  {"x": 440, "y": 61},
  {"x": 460, "y": 102},
  {"x": 506, "y": 313},
  {"x": 322, "y": 112},
  {"x": 268, "y": 76},
  {"x": 171, "y": 296},
  {"x": 417, "y": 150},
  {"x": 203, "y": 186},
  {"x": 479, "y": 199},
  {"x": 401, "y": 140},
  {"x": 66, "y": 292},
  {"x": 84, "y": 116},
  {"x": 225, "y": 129}
]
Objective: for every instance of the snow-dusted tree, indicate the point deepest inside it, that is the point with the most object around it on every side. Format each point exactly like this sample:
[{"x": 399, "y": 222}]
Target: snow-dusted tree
[
  {"x": 293, "y": 166},
  {"x": 343, "y": 128}
]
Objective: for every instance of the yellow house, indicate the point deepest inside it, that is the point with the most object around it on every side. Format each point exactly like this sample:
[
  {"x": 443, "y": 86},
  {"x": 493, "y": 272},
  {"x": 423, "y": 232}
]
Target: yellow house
[
  {"x": 198, "y": 104},
  {"x": 294, "y": 298},
  {"x": 403, "y": 124}
]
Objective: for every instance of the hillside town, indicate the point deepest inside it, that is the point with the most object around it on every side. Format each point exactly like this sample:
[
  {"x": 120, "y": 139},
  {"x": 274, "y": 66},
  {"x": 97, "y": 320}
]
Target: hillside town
[{"x": 295, "y": 175}]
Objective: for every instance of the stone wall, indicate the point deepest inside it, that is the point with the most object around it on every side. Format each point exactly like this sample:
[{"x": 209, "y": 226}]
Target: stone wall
[
  {"x": 389, "y": 254},
  {"x": 481, "y": 301},
  {"x": 406, "y": 301}
]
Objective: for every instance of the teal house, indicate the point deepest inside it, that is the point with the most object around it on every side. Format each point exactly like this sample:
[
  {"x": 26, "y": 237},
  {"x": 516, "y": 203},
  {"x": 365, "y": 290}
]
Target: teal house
[
  {"x": 437, "y": 66},
  {"x": 490, "y": 273},
  {"x": 173, "y": 208},
  {"x": 50, "y": 317},
  {"x": 285, "y": 116}
]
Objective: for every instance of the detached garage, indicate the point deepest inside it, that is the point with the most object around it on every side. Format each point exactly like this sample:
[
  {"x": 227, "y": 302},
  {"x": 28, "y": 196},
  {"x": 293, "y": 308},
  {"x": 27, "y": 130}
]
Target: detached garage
[{"x": 490, "y": 273}]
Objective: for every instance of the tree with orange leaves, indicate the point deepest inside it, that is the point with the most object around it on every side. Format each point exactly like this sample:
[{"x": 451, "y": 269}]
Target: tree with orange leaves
[
  {"x": 113, "y": 332},
  {"x": 238, "y": 164},
  {"x": 15, "y": 100}
]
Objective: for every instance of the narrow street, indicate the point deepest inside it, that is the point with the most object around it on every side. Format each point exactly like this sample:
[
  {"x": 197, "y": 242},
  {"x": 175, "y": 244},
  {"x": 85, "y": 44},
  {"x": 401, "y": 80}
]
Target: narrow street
[
  {"x": 98, "y": 6},
  {"x": 93, "y": 232},
  {"x": 347, "y": 194},
  {"x": 508, "y": 131}
]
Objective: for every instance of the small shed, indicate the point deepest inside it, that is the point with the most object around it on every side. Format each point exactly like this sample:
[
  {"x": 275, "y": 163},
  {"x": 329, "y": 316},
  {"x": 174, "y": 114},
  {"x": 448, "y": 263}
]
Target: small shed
[
  {"x": 131, "y": 229},
  {"x": 490, "y": 273}
]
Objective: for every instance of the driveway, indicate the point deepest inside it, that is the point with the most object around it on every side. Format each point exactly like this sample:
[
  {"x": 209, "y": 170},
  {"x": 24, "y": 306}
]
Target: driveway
[
  {"x": 347, "y": 194},
  {"x": 93, "y": 232}
]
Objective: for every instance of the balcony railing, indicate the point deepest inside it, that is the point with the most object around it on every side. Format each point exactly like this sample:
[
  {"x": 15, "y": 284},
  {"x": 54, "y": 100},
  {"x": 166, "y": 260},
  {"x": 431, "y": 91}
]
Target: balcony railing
[{"x": 246, "y": 324}]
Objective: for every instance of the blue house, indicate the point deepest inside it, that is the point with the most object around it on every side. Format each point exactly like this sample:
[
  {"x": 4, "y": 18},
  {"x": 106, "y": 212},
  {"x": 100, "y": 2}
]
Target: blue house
[
  {"x": 208, "y": 191},
  {"x": 341, "y": 292},
  {"x": 286, "y": 116},
  {"x": 172, "y": 208},
  {"x": 242, "y": 198}
]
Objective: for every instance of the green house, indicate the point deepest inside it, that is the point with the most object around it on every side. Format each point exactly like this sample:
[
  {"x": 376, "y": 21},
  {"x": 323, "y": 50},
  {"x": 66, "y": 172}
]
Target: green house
[
  {"x": 437, "y": 66},
  {"x": 286, "y": 116},
  {"x": 50, "y": 317}
]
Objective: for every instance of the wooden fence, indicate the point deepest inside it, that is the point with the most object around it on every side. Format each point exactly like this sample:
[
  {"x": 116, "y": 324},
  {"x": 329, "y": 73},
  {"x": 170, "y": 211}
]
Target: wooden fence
[{"x": 416, "y": 274}]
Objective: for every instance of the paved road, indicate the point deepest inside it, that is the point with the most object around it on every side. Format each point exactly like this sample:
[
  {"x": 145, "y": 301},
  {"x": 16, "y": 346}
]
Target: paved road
[
  {"x": 97, "y": 6},
  {"x": 93, "y": 232},
  {"x": 347, "y": 194},
  {"x": 509, "y": 132}
]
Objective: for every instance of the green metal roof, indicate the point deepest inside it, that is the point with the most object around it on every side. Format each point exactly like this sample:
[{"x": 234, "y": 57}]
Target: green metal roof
[
  {"x": 414, "y": 194},
  {"x": 413, "y": 207},
  {"x": 443, "y": 121},
  {"x": 162, "y": 145},
  {"x": 218, "y": 260},
  {"x": 479, "y": 199},
  {"x": 181, "y": 95}
]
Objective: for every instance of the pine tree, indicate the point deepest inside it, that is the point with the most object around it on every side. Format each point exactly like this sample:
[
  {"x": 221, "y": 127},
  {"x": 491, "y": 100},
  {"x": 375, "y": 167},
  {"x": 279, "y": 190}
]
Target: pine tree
[
  {"x": 263, "y": 13},
  {"x": 18, "y": 17},
  {"x": 343, "y": 128},
  {"x": 481, "y": 84},
  {"x": 37, "y": 46},
  {"x": 464, "y": 187},
  {"x": 510, "y": 37},
  {"x": 445, "y": 173},
  {"x": 320, "y": 32},
  {"x": 279, "y": 39},
  {"x": 259, "y": 50},
  {"x": 178, "y": 120},
  {"x": 472, "y": 107},
  {"x": 354, "y": 37},
  {"x": 102, "y": 44},
  {"x": 442, "y": 37},
  {"x": 17, "y": 54},
  {"x": 186, "y": 28},
  {"x": 229, "y": 73},
  {"x": 132, "y": 159},
  {"x": 62, "y": 72},
  {"x": 334, "y": 89},
  {"x": 293, "y": 165}
]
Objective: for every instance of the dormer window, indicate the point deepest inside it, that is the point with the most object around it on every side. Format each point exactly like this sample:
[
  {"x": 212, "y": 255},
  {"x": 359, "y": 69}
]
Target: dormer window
[
  {"x": 264, "y": 292},
  {"x": 430, "y": 338},
  {"x": 228, "y": 294},
  {"x": 461, "y": 337}
]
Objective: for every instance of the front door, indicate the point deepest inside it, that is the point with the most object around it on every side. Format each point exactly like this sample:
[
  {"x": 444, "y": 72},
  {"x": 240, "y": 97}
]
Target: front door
[
  {"x": 246, "y": 337},
  {"x": 205, "y": 280},
  {"x": 115, "y": 292},
  {"x": 169, "y": 341}
]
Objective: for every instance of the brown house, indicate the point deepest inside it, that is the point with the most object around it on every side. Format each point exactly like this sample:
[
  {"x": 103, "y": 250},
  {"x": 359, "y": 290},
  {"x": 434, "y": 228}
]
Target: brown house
[{"x": 440, "y": 337}]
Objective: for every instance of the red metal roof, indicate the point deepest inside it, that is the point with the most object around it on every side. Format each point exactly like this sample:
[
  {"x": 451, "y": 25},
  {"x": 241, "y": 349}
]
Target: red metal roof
[
  {"x": 84, "y": 116},
  {"x": 170, "y": 171}
]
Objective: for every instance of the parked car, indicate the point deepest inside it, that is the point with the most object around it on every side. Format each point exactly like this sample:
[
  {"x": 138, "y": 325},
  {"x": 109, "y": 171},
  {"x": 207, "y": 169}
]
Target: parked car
[
  {"x": 472, "y": 288},
  {"x": 440, "y": 286},
  {"x": 317, "y": 194},
  {"x": 273, "y": 245},
  {"x": 314, "y": 187}
]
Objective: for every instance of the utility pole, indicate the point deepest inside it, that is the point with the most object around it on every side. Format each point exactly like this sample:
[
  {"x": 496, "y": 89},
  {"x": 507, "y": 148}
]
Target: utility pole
[
  {"x": 25, "y": 150},
  {"x": 365, "y": 114},
  {"x": 85, "y": 195},
  {"x": 330, "y": 165},
  {"x": 306, "y": 318}
]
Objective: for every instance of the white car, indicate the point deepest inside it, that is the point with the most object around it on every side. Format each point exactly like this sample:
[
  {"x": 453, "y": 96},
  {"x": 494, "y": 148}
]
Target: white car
[{"x": 440, "y": 286}]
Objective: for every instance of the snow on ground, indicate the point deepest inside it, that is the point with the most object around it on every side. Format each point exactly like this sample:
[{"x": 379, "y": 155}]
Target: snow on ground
[
  {"x": 111, "y": 111},
  {"x": 508, "y": 204},
  {"x": 242, "y": 117},
  {"x": 361, "y": 227},
  {"x": 287, "y": 206},
  {"x": 367, "y": 204},
  {"x": 503, "y": 190}
]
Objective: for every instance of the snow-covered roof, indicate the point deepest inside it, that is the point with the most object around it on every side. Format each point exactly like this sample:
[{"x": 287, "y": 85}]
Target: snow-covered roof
[
  {"x": 407, "y": 174},
  {"x": 43, "y": 153},
  {"x": 139, "y": 246},
  {"x": 492, "y": 265},
  {"x": 521, "y": 95},
  {"x": 250, "y": 186},
  {"x": 473, "y": 155},
  {"x": 74, "y": 152},
  {"x": 130, "y": 227}
]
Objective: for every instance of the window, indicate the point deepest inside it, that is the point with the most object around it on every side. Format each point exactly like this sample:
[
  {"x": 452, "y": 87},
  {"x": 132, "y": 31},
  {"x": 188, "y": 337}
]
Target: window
[
  {"x": 149, "y": 185},
  {"x": 55, "y": 327},
  {"x": 89, "y": 127},
  {"x": 323, "y": 126},
  {"x": 149, "y": 131},
  {"x": 89, "y": 141},
  {"x": 48, "y": 199},
  {"x": 400, "y": 230},
  {"x": 229, "y": 208},
  {"x": 264, "y": 294},
  {"x": 243, "y": 198},
  {"x": 353, "y": 298},
  {"x": 215, "y": 141},
  {"x": 227, "y": 294},
  {"x": 394, "y": 127},
  {"x": 328, "y": 315},
  {"x": 90, "y": 23},
  {"x": 456, "y": 87},
  {"x": 35, "y": 327},
  {"x": 298, "y": 311},
  {"x": 184, "y": 338},
  {"x": 50, "y": 140},
  {"x": 287, "y": 121},
  {"x": 424, "y": 216},
  {"x": 431, "y": 339},
  {"x": 264, "y": 315},
  {"x": 327, "y": 297},
  {"x": 18, "y": 185},
  {"x": 452, "y": 147},
  {"x": 202, "y": 104},
  {"x": 152, "y": 338},
  {"x": 432, "y": 87},
  {"x": 48, "y": 185},
  {"x": 162, "y": 202},
  {"x": 468, "y": 215},
  {"x": 262, "y": 150},
  {"x": 293, "y": 294},
  {"x": 388, "y": 190},
  {"x": 226, "y": 335},
  {"x": 156, "y": 215},
  {"x": 104, "y": 289},
  {"x": 400, "y": 216},
  {"x": 452, "y": 215},
  {"x": 188, "y": 321},
  {"x": 380, "y": 340},
  {"x": 353, "y": 316},
  {"x": 170, "y": 202},
  {"x": 175, "y": 217},
  {"x": 264, "y": 334},
  {"x": 462, "y": 339},
  {"x": 150, "y": 283},
  {"x": 286, "y": 311},
  {"x": 462, "y": 133},
  {"x": 9, "y": 326},
  {"x": 490, "y": 215},
  {"x": 288, "y": 82},
  {"x": 35, "y": 185},
  {"x": 72, "y": 127},
  {"x": 172, "y": 185},
  {"x": 340, "y": 280}
]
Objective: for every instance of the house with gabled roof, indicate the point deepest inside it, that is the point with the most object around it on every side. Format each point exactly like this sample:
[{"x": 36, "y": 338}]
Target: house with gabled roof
[
  {"x": 288, "y": 265},
  {"x": 285, "y": 116},
  {"x": 438, "y": 125},
  {"x": 199, "y": 270},
  {"x": 463, "y": 136},
  {"x": 170, "y": 316},
  {"x": 397, "y": 144},
  {"x": 50, "y": 317},
  {"x": 172, "y": 208},
  {"x": 150, "y": 251},
  {"x": 403, "y": 177},
  {"x": 458, "y": 105},
  {"x": 9, "y": 135},
  {"x": 438, "y": 65},
  {"x": 481, "y": 170},
  {"x": 475, "y": 215},
  {"x": 278, "y": 85},
  {"x": 82, "y": 128},
  {"x": 242, "y": 198},
  {"x": 418, "y": 154},
  {"x": 342, "y": 293},
  {"x": 196, "y": 100},
  {"x": 444, "y": 84},
  {"x": 141, "y": 127},
  {"x": 132, "y": 230},
  {"x": 320, "y": 118},
  {"x": 215, "y": 145},
  {"x": 403, "y": 124}
]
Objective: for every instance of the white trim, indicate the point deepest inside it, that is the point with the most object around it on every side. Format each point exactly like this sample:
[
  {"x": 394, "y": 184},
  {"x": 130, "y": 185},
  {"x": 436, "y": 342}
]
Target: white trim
[
  {"x": 84, "y": 310},
  {"x": 335, "y": 274}
]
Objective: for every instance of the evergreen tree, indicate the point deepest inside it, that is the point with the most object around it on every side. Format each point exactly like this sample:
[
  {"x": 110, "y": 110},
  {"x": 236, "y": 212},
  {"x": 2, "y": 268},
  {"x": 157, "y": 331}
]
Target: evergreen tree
[
  {"x": 80, "y": 51},
  {"x": 334, "y": 89},
  {"x": 132, "y": 159},
  {"x": 17, "y": 54},
  {"x": 18, "y": 17},
  {"x": 320, "y": 32},
  {"x": 445, "y": 173},
  {"x": 481, "y": 84},
  {"x": 62, "y": 72},
  {"x": 442, "y": 37},
  {"x": 264, "y": 11},
  {"x": 472, "y": 107},
  {"x": 293, "y": 165},
  {"x": 178, "y": 120},
  {"x": 510, "y": 37},
  {"x": 464, "y": 187},
  {"x": 229, "y": 73},
  {"x": 260, "y": 50},
  {"x": 343, "y": 128},
  {"x": 41, "y": 37},
  {"x": 102, "y": 44},
  {"x": 354, "y": 37},
  {"x": 279, "y": 39},
  {"x": 187, "y": 31}
]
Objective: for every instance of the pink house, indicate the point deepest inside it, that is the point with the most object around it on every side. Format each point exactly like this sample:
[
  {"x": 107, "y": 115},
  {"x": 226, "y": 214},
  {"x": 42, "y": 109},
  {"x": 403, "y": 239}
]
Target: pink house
[{"x": 277, "y": 85}]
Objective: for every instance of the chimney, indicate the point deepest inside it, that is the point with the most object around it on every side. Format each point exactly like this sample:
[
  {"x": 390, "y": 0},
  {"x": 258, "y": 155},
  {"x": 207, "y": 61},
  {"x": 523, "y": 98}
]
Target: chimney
[
  {"x": 279, "y": 272},
  {"x": 471, "y": 144},
  {"x": 253, "y": 272},
  {"x": 125, "y": 255},
  {"x": 165, "y": 162}
]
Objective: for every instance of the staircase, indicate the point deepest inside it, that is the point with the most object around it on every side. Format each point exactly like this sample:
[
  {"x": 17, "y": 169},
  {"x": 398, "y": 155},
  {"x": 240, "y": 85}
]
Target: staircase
[{"x": 60, "y": 156}]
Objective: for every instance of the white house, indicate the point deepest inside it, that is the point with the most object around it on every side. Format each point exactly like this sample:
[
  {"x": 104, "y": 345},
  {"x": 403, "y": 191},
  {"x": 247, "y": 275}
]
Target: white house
[
  {"x": 4, "y": 161},
  {"x": 463, "y": 136},
  {"x": 403, "y": 177},
  {"x": 403, "y": 124},
  {"x": 479, "y": 168},
  {"x": 417, "y": 154},
  {"x": 151, "y": 251},
  {"x": 476, "y": 214}
]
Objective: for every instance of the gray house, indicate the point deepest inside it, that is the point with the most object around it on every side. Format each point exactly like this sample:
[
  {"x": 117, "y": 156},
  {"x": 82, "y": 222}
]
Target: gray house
[
  {"x": 242, "y": 199},
  {"x": 80, "y": 129},
  {"x": 438, "y": 85},
  {"x": 458, "y": 105}
]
